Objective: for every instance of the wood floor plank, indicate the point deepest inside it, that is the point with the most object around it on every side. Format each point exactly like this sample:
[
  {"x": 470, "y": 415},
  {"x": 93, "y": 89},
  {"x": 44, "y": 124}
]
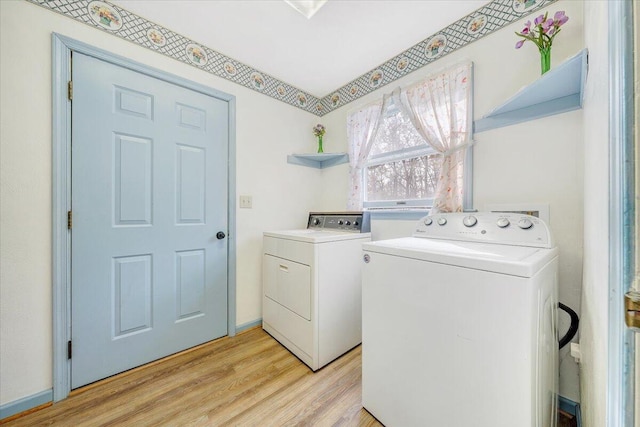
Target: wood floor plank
[
  {"x": 202, "y": 378},
  {"x": 246, "y": 380},
  {"x": 313, "y": 391}
]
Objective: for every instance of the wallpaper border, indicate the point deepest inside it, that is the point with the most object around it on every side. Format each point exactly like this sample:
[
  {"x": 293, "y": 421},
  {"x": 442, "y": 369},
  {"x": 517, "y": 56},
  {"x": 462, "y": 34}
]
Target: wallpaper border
[{"x": 120, "y": 22}]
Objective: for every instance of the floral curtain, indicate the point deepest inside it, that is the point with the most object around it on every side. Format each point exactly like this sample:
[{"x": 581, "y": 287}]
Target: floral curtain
[
  {"x": 361, "y": 129},
  {"x": 440, "y": 109}
]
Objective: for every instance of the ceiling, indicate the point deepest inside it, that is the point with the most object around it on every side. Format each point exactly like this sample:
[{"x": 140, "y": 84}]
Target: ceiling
[{"x": 343, "y": 40}]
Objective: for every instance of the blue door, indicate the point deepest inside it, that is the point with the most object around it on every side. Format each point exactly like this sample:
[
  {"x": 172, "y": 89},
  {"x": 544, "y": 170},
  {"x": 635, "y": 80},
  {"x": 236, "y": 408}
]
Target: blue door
[{"x": 149, "y": 198}]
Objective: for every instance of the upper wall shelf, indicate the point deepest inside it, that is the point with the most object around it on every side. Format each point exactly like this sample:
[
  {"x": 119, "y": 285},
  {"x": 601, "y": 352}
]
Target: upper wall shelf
[
  {"x": 557, "y": 91},
  {"x": 318, "y": 160}
]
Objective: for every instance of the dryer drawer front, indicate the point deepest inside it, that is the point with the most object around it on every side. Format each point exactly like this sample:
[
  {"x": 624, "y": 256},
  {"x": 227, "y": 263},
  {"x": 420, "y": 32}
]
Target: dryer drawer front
[
  {"x": 289, "y": 249},
  {"x": 289, "y": 284},
  {"x": 293, "y": 328}
]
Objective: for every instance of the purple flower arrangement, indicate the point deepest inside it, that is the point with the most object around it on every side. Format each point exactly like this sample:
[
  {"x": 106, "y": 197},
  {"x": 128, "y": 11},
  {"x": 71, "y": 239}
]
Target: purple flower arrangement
[
  {"x": 319, "y": 130},
  {"x": 544, "y": 30},
  {"x": 542, "y": 33}
]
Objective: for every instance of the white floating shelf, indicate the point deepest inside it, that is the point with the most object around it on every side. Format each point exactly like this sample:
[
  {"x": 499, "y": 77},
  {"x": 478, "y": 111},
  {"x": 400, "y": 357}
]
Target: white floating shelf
[
  {"x": 318, "y": 160},
  {"x": 557, "y": 91}
]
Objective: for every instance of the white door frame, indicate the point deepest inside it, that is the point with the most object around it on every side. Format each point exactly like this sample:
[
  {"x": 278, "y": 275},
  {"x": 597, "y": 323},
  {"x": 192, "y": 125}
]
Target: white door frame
[
  {"x": 620, "y": 371},
  {"x": 62, "y": 47}
]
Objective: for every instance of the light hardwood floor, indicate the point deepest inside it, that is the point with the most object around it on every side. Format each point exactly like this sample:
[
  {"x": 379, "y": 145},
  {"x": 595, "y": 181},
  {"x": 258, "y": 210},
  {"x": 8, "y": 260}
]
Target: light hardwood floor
[{"x": 247, "y": 380}]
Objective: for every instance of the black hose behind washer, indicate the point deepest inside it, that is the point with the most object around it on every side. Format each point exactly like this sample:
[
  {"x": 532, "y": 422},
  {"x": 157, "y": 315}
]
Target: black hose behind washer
[{"x": 573, "y": 328}]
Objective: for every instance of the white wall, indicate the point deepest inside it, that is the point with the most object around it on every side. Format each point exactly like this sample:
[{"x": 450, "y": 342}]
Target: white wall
[
  {"x": 594, "y": 328},
  {"x": 536, "y": 162},
  {"x": 267, "y": 130}
]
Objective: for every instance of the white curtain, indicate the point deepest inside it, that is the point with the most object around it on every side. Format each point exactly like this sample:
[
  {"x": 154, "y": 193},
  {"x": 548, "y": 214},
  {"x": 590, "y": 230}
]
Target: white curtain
[
  {"x": 440, "y": 109},
  {"x": 361, "y": 130}
]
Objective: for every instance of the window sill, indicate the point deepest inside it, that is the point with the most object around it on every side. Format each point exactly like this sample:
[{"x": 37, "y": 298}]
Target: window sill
[{"x": 398, "y": 214}]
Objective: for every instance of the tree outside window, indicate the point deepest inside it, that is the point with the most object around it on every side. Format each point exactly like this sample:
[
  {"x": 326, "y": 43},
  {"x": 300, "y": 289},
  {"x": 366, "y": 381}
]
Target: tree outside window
[{"x": 401, "y": 166}]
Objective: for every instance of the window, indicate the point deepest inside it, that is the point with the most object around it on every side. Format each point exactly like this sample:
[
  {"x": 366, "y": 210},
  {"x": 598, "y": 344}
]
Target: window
[
  {"x": 392, "y": 163},
  {"x": 401, "y": 169}
]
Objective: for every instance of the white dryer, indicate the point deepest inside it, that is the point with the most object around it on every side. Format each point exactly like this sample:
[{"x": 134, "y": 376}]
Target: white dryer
[
  {"x": 459, "y": 324},
  {"x": 312, "y": 286}
]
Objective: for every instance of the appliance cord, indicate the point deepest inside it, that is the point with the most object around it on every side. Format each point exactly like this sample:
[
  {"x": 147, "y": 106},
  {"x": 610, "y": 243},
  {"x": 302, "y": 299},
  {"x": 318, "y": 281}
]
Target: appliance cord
[{"x": 573, "y": 328}]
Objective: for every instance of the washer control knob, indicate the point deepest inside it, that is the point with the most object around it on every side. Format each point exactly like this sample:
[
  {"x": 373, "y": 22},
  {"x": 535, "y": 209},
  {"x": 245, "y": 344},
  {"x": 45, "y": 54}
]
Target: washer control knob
[
  {"x": 356, "y": 223},
  {"x": 315, "y": 221},
  {"x": 442, "y": 221},
  {"x": 348, "y": 223},
  {"x": 341, "y": 222},
  {"x": 428, "y": 221},
  {"x": 469, "y": 221},
  {"x": 525, "y": 223},
  {"x": 503, "y": 222}
]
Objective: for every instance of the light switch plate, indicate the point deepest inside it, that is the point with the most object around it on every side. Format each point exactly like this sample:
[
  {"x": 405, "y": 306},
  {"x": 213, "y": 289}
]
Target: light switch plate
[{"x": 246, "y": 202}]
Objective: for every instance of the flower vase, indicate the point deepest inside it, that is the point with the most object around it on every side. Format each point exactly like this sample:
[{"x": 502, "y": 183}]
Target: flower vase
[
  {"x": 545, "y": 59},
  {"x": 320, "y": 144}
]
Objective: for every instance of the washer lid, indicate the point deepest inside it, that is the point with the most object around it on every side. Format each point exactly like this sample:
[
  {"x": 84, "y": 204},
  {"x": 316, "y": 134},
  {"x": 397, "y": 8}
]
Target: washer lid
[
  {"x": 520, "y": 261},
  {"x": 317, "y": 236}
]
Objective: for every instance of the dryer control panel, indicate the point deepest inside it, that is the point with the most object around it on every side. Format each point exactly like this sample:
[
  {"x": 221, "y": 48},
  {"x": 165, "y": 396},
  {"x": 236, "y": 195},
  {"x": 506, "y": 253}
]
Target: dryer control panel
[
  {"x": 486, "y": 227},
  {"x": 357, "y": 222}
]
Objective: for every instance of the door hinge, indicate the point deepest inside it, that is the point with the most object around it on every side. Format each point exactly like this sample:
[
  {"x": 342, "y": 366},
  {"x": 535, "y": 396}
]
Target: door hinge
[
  {"x": 68, "y": 349},
  {"x": 70, "y": 90},
  {"x": 632, "y": 308},
  {"x": 69, "y": 220}
]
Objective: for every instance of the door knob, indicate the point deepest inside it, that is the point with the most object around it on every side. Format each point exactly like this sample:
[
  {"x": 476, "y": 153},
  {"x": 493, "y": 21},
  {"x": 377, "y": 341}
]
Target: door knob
[{"x": 220, "y": 235}]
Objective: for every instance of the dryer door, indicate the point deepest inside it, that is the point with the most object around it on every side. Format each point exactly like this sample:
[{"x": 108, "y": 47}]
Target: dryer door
[{"x": 289, "y": 284}]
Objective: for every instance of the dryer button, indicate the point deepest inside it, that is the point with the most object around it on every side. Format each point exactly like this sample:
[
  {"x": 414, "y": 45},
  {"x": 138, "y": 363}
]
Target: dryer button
[
  {"x": 469, "y": 221},
  {"x": 502, "y": 222},
  {"x": 442, "y": 221},
  {"x": 525, "y": 223}
]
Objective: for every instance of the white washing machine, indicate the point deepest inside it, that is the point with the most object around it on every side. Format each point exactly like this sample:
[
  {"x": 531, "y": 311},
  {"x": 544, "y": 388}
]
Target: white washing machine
[
  {"x": 459, "y": 324},
  {"x": 312, "y": 286}
]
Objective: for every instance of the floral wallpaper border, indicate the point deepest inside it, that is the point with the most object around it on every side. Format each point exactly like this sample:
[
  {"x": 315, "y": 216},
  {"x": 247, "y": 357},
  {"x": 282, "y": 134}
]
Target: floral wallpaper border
[{"x": 126, "y": 25}]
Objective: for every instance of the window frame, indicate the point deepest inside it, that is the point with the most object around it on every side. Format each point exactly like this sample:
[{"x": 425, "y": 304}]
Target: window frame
[
  {"x": 422, "y": 204},
  {"x": 407, "y": 153},
  {"x": 390, "y": 157}
]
